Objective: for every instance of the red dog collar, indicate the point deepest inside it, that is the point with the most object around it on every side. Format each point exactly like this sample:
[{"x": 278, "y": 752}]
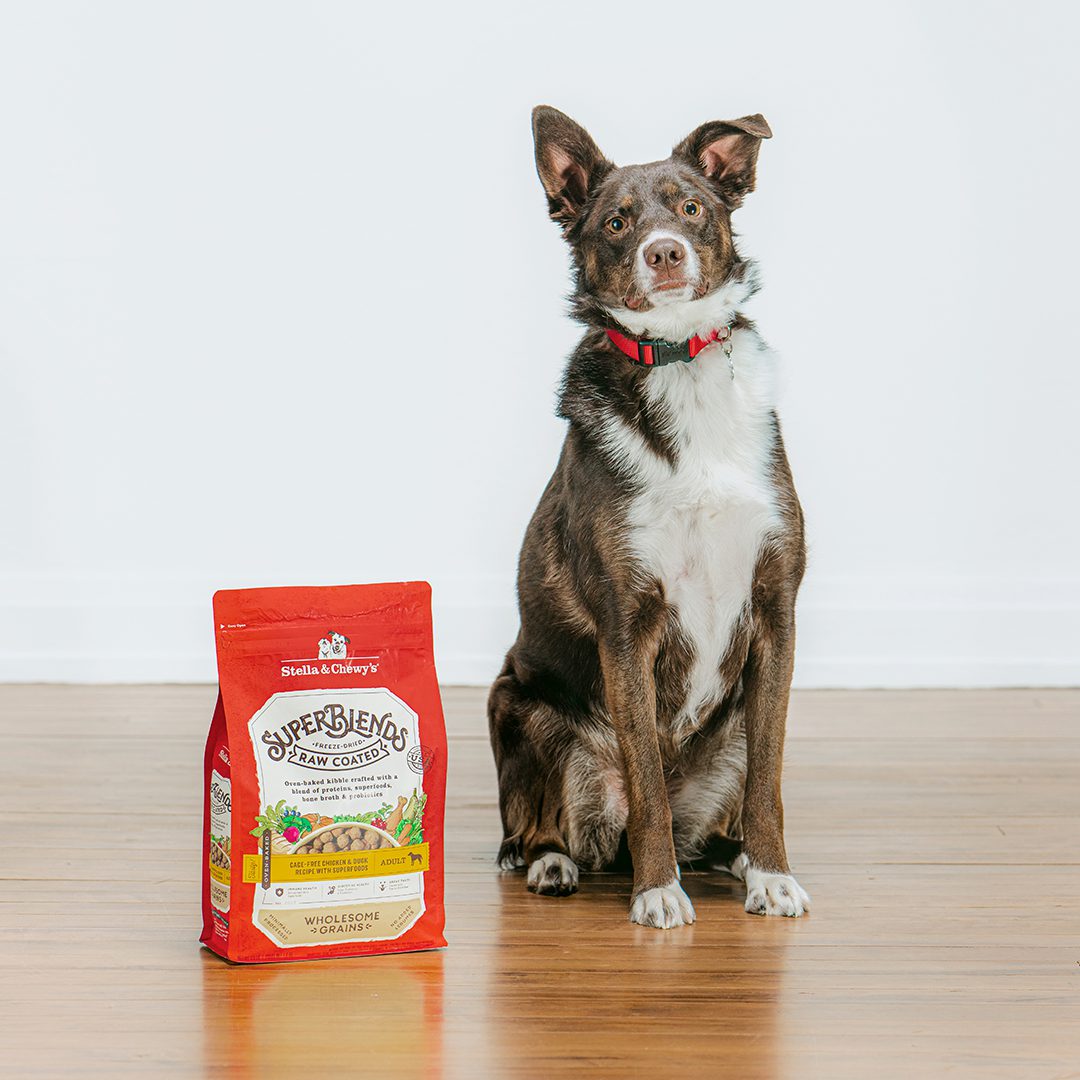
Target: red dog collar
[{"x": 655, "y": 352}]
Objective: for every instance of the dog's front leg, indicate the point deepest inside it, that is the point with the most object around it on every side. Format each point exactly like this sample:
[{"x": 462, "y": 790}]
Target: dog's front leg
[
  {"x": 630, "y": 692},
  {"x": 770, "y": 888}
]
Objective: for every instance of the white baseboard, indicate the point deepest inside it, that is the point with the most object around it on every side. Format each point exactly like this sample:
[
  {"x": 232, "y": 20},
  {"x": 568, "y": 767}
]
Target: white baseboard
[{"x": 963, "y": 633}]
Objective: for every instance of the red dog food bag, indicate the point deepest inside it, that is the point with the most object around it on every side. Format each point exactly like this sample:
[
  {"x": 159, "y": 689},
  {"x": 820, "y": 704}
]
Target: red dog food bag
[{"x": 325, "y": 775}]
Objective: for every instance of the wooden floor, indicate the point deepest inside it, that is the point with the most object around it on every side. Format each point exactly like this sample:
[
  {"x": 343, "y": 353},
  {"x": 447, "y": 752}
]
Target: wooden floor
[{"x": 938, "y": 833}]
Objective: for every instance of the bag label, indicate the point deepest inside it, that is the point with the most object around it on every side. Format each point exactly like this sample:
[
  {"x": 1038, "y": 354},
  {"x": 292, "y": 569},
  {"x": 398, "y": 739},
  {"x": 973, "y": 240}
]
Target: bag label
[
  {"x": 220, "y": 840},
  {"x": 341, "y": 833}
]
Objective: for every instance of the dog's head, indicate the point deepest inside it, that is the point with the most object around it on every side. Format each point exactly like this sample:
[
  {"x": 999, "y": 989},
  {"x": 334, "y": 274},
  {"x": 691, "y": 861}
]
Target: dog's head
[
  {"x": 652, "y": 244},
  {"x": 338, "y": 641}
]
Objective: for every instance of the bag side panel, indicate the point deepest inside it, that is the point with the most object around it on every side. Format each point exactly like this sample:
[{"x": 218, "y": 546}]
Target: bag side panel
[
  {"x": 433, "y": 745},
  {"x": 217, "y": 835}
]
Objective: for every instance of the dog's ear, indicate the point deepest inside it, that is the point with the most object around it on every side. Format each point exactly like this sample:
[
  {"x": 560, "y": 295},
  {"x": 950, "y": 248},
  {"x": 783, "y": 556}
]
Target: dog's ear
[
  {"x": 568, "y": 161},
  {"x": 726, "y": 152}
]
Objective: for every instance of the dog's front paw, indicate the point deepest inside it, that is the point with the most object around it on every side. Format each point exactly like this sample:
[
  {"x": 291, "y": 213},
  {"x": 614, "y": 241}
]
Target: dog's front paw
[
  {"x": 772, "y": 894},
  {"x": 664, "y": 908},
  {"x": 553, "y": 874}
]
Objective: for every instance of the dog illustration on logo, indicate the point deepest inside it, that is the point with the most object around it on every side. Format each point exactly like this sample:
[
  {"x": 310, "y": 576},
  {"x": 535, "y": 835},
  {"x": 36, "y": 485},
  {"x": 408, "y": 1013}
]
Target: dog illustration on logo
[{"x": 334, "y": 646}]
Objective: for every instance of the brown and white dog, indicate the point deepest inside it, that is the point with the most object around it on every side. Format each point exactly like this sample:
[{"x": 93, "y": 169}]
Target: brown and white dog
[{"x": 646, "y": 694}]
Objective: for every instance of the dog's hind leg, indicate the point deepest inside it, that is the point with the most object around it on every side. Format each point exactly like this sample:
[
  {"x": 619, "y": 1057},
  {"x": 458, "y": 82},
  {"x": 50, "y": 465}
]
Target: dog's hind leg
[
  {"x": 706, "y": 799},
  {"x": 551, "y": 870},
  {"x": 517, "y": 765},
  {"x": 530, "y": 793},
  {"x": 594, "y": 801},
  {"x": 721, "y": 853}
]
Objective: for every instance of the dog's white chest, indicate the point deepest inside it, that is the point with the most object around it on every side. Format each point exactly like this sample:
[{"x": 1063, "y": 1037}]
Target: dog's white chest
[{"x": 699, "y": 527}]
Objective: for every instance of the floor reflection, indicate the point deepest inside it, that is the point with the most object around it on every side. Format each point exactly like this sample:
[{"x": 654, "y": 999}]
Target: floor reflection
[
  {"x": 571, "y": 978},
  {"x": 282, "y": 1019},
  {"x": 564, "y": 984}
]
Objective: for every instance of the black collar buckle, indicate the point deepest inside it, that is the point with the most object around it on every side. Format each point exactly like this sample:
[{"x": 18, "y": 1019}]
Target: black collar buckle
[{"x": 655, "y": 352}]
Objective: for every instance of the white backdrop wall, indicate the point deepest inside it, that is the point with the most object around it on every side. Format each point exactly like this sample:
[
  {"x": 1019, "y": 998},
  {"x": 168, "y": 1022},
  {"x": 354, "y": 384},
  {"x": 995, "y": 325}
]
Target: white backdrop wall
[{"x": 279, "y": 304}]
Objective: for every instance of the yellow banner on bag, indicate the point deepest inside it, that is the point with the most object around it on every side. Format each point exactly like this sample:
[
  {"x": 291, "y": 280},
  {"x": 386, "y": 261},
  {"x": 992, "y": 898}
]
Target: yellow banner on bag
[
  {"x": 219, "y": 874},
  {"x": 382, "y": 862}
]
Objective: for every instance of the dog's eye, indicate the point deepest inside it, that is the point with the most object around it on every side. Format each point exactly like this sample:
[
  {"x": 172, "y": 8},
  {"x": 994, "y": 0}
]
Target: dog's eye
[
  {"x": 616, "y": 224},
  {"x": 691, "y": 208}
]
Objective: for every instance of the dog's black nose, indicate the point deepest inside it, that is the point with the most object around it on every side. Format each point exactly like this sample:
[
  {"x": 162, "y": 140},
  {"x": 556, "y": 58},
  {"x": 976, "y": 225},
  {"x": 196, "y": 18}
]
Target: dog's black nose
[{"x": 664, "y": 254}]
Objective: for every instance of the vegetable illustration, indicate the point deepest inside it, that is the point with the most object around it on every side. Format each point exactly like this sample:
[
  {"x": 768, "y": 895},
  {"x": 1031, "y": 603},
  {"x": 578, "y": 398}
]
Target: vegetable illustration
[
  {"x": 288, "y": 826},
  {"x": 409, "y": 830},
  {"x": 270, "y": 818},
  {"x": 372, "y": 817},
  {"x": 281, "y": 818},
  {"x": 394, "y": 820}
]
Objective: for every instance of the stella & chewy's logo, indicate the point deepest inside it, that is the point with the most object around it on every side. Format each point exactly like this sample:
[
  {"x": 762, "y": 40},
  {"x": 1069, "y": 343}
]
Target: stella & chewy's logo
[
  {"x": 331, "y": 658},
  {"x": 336, "y": 739}
]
